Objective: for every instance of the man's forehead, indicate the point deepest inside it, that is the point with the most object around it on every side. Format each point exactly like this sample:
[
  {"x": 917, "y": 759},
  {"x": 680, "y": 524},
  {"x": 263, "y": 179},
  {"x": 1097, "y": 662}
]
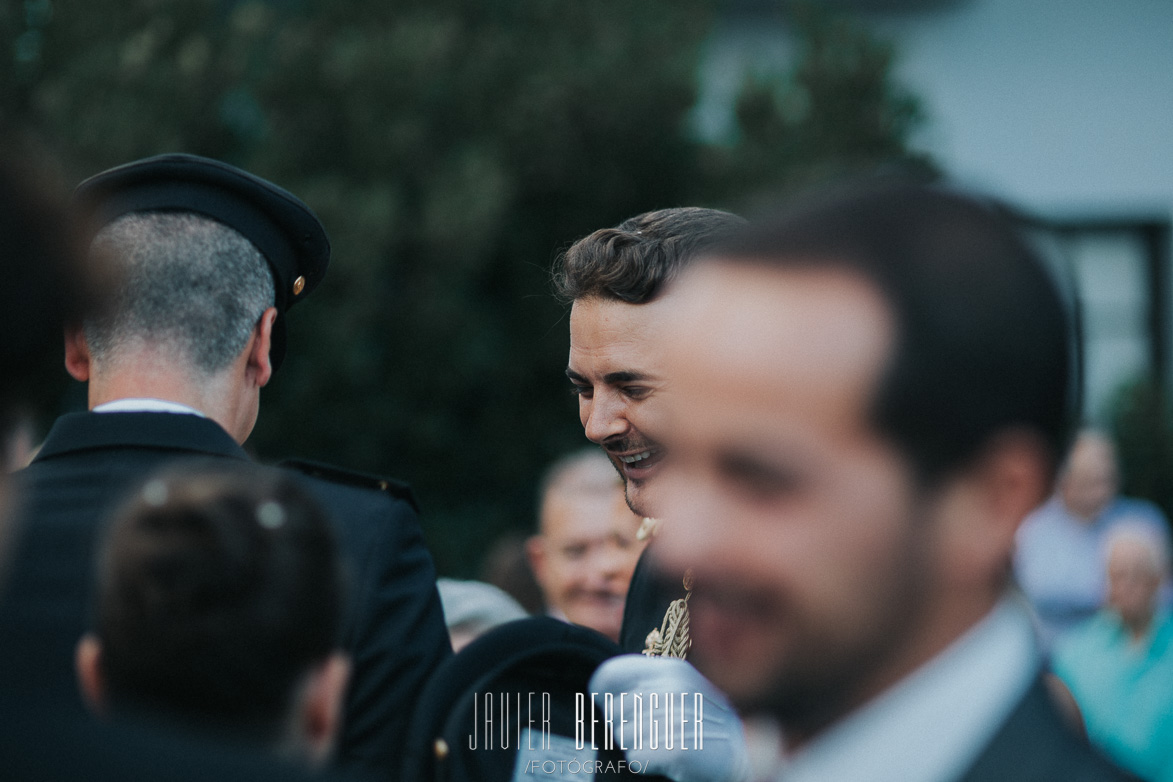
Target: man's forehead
[
  {"x": 780, "y": 321},
  {"x": 609, "y": 326},
  {"x": 755, "y": 364},
  {"x": 580, "y": 514},
  {"x": 1092, "y": 451}
]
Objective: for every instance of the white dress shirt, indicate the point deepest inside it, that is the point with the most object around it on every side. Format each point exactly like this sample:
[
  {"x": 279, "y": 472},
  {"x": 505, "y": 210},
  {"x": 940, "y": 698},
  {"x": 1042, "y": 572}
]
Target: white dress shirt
[{"x": 145, "y": 405}]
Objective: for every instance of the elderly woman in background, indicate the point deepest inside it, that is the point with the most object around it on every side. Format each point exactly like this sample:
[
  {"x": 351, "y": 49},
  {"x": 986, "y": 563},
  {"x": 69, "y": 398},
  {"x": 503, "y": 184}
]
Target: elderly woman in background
[{"x": 1119, "y": 664}]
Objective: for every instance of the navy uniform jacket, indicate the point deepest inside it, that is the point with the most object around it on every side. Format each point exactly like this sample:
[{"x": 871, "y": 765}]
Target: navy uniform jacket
[
  {"x": 650, "y": 593},
  {"x": 394, "y": 630}
]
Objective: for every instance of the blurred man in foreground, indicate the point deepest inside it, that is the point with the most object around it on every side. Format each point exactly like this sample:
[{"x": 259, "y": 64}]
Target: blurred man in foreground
[
  {"x": 1059, "y": 560},
  {"x": 870, "y": 393},
  {"x": 219, "y": 603},
  {"x": 208, "y": 259},
  {"x": 1119, "y": 665},
  {"x": 586, "y": 548}
]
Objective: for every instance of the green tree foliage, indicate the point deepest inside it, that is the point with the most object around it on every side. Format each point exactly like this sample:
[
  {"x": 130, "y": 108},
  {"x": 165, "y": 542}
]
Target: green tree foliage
[
  {"x": 1141, "y": 424},
  {"x": 452, "y": 148},
  {"x": 837, "y": 111}
]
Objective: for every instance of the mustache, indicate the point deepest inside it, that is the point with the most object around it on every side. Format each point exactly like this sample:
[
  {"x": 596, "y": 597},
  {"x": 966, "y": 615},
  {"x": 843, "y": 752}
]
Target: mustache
[{"x": 627, "y": 444}]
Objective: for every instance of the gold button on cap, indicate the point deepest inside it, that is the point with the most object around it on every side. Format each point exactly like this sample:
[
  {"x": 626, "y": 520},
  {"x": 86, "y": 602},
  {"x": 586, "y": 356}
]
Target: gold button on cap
[{"x": 298, "y": 286}]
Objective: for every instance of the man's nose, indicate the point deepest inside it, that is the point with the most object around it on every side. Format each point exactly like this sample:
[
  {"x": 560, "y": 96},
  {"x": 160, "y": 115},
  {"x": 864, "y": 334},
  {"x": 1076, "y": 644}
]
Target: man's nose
[
  {"x": 610, "y": 562},
  {"x": 606, "y": 417}
]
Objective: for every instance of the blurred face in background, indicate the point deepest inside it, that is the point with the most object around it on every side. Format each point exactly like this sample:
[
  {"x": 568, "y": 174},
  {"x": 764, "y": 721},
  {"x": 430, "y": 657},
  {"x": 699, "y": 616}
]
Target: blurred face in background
[
  {"x": 807, "y": 534},
  {"x": 616, "y": 368},
  {"x": 1134, "y": 576},
  {"x": 1089, "y": 480},
  {"x": 586, "y": 551}
]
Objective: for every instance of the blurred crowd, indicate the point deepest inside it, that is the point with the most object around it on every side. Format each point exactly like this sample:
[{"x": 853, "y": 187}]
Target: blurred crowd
[{"x": 833, "y": 496}]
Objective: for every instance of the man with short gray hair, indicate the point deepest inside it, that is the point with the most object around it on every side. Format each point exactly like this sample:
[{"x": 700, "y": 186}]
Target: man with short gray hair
[
  {"x": 585, "y": 548},
  {"x": 192, "y": 293},
  {"x": 208, "y": 259},
  {"x": 165, "y": 257}
]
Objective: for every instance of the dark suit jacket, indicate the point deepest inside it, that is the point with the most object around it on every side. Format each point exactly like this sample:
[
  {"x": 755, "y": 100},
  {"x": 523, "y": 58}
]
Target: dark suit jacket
[
  {"x": 1034, "y": 745},
  {"x": 394, "y": 630}
]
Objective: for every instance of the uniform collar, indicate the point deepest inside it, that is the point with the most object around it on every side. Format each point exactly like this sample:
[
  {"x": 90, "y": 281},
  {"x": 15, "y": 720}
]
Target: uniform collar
[{"x": 84, "y": 431}]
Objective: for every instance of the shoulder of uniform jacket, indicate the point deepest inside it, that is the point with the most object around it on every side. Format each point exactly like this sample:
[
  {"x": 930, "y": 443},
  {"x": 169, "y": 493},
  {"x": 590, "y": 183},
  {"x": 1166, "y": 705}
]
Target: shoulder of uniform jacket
[{"x": 329, "y": 472}]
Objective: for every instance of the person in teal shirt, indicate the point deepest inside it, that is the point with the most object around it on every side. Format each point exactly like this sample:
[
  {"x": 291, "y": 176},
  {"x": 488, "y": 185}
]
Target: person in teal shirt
[{"x": 1119, "y": 664}]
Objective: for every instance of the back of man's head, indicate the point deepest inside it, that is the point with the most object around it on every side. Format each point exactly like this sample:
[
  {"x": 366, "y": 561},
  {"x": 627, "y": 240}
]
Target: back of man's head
[
  {"x": 219, "y": 598},
  {"x": 190, "y": 290},
  {"x": 634, "y": 260},
  {"x": 184, "y": 226}
]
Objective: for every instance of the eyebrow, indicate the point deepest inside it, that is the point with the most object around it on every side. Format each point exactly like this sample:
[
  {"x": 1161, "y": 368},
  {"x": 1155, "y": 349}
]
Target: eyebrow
[{"x": 611, "y": 378}]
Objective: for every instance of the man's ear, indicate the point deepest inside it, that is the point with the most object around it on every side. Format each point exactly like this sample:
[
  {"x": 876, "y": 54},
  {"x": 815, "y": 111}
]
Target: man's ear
[
  {"x": 983, "y": 508},
  {"x": 87, "y": 662},
  {"x": 259, "y": 367},
  {"x": 77, "y": 353},
  {"x": 1020, "y": 476},
  {"x": 535, "y": 552},
  {"x": 321, "y": 706}
]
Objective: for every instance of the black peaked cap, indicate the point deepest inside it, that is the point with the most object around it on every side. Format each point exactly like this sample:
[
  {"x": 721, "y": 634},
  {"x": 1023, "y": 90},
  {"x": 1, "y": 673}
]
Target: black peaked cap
[
  {"x": 277, "y": 222},
  {"x": 535, "y": 655}
]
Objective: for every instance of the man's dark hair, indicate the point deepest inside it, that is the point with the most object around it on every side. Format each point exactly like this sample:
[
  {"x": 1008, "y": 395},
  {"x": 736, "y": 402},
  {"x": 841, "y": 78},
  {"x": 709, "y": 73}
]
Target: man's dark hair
[
  {"x": 981, "y": 345},
  {"x": 217, "y": 593},
  {"x": 633, "y": 261}
]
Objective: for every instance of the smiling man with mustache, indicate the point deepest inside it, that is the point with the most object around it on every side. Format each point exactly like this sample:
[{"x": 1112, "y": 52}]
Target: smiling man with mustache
[{"x": 617, "y": 282}]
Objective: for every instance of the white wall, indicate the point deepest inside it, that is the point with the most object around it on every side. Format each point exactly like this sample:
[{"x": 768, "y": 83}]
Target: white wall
[{"x": 1060, "y": 105}]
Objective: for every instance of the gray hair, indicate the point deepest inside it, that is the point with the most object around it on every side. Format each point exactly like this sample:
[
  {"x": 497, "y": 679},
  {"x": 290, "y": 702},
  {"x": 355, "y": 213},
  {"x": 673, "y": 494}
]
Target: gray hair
[
  {"x": 186, "y": 283},
  {"x": 1146, "y": 535},
  {"x": 475, "y": 607}
]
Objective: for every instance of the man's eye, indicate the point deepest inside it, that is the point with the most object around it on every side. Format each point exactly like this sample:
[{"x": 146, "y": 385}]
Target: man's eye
[
  {"x": 762, "y": 481},
  {"x": 578, "y": 390},
  {"x": 771, "y": 486},
  {"x": 636, "y": 392}
]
